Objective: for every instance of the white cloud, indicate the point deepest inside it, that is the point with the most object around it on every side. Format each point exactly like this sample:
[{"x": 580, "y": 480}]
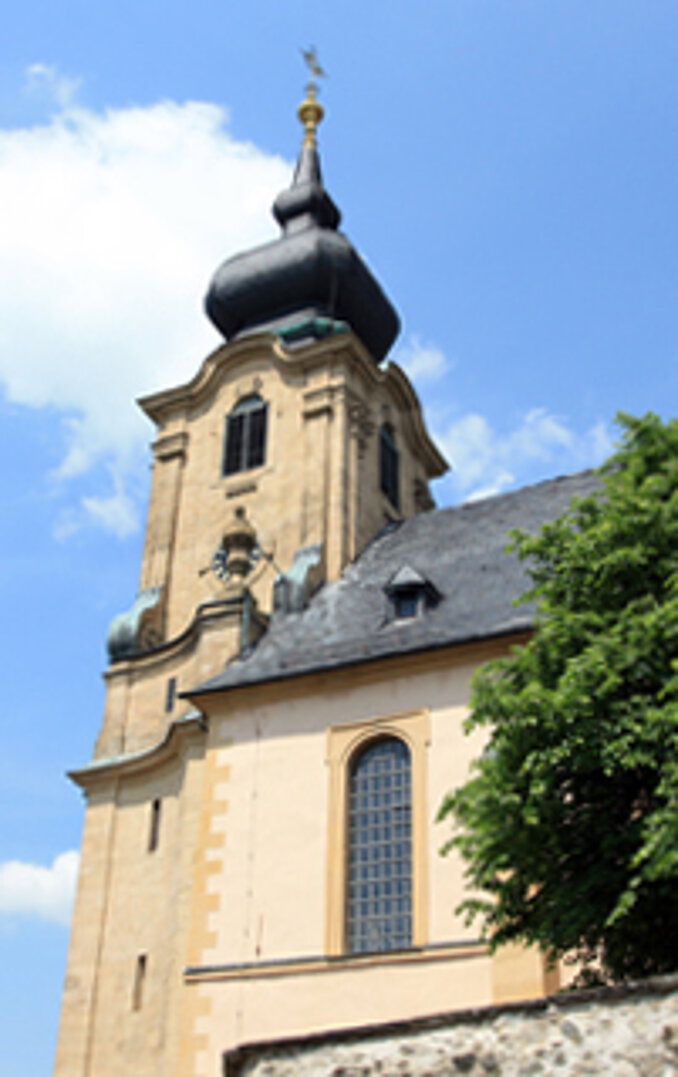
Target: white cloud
[
  {"x": 421, "y": 362},
  {"x": 502, "y": 480},
  {"x": 45, "y": 81},
  {"x": 539, "y": 435},
  {"x": 485, "y": 462},
  {"x": 32, "y": 890},
  {"x": 117, "y": 221},
  {"x": 602, "y": 442},
  {"x": 469, "y": 445},
  {"x": 117, "y": 513}
]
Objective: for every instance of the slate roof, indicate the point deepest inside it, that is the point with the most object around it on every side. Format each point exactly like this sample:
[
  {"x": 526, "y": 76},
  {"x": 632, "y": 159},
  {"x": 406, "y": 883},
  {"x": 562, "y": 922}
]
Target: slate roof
[{"x": 461, "y": 551}]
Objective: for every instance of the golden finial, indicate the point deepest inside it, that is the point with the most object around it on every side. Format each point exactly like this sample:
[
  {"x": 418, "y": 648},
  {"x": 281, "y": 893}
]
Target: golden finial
[{"x": 310, "y": 111}]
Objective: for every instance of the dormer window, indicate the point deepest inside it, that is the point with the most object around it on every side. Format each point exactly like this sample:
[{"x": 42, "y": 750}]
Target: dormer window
[
  {"x": 406, "y": 604},
  {"x": 389, "y": 478},
  {"x": 411, "y": 594},
  {"x": 245, "y": 445}
]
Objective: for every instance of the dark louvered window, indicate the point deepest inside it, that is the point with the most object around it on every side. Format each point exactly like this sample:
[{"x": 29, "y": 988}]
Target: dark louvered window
[
  {"x": 245, "y": 446},
  {"x": 388, "y": 466},
  {"x": 379, "y": 871}
]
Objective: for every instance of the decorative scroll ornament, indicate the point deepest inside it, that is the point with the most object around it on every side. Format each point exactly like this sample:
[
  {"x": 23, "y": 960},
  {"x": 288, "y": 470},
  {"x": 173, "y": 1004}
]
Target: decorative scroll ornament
[
  {"x": 138, "y": 629},
  {"x": 362, "y": 424}
]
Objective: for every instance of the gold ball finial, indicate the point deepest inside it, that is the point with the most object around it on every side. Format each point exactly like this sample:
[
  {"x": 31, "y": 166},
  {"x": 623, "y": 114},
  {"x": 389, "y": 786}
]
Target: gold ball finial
[{"x": 310, "y": 111}]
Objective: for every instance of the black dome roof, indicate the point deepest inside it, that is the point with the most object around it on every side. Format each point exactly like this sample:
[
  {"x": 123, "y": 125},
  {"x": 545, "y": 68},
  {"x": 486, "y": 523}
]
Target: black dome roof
[{"x": 310, "y": 273}]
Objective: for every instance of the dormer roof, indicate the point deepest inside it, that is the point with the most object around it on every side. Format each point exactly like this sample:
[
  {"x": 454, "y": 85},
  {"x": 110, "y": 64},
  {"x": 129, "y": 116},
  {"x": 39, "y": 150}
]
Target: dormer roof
[{"x": 406, "y": 577}]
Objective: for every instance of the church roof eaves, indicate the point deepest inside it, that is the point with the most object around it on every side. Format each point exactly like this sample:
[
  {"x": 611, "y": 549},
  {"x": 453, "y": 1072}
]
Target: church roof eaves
[{"x": 461, "y": 550}]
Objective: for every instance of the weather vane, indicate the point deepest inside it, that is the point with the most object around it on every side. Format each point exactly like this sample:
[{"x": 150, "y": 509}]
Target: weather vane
[
  {"x": 311, "y": 60},
  {"x": 310, "y": 110}
]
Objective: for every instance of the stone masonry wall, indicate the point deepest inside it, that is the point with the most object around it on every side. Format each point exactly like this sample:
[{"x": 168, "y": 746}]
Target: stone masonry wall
[{"x": 627, "y": 1031}]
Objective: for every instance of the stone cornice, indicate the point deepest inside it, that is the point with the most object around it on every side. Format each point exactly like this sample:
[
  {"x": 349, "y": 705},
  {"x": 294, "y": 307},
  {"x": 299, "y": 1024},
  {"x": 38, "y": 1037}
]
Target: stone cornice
[
  {"x": 168, "y": 403},
  {"x": 165, "y": 448},
  {"x": 303, "y": 966},
  {"x": 436, "y": 464},
  {"x": 207, "y": 614},
  {"x": 173, "y": 403},
  {"x": 102, "y": 770}
]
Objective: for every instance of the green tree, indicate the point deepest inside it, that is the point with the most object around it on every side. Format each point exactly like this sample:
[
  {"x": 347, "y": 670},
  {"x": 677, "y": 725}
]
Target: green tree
[{"x": 569, "y": 820}]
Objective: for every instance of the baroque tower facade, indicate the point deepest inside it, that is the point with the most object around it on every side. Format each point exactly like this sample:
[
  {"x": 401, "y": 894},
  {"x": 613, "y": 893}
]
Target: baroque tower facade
[{"x": 273, "y": 468}]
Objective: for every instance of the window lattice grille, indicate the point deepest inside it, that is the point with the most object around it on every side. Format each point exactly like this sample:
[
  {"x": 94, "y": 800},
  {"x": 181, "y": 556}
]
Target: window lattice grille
[{"x": 379, "y": 873}]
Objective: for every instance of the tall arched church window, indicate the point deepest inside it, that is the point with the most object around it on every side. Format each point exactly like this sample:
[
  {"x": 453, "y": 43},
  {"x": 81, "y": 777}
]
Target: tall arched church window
[
  {"x": 379, "y": 869},
  {"x": 245, "y": 445},
  {"x": 389, "y": 465}
]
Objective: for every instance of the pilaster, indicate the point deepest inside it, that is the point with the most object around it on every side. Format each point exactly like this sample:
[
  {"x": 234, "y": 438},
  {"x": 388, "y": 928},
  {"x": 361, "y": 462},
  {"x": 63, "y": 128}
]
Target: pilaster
[{"x": 170, "y": 456}]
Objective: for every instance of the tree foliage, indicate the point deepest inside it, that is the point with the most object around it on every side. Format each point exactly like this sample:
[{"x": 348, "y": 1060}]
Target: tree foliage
[{"x": 569, "y": 820}]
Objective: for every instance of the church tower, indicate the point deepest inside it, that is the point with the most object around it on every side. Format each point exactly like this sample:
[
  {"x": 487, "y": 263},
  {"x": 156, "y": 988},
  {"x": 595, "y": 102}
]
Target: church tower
[
  {"x": 294, "y": 428},
  {"x": 273, "y": 468}
]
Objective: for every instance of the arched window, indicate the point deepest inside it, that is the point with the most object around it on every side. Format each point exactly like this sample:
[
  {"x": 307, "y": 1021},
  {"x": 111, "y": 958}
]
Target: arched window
[
  {"x": 379, "y": 868},
  {"x": 245, "y": 445},
  {"x": 388, "y": 465}
]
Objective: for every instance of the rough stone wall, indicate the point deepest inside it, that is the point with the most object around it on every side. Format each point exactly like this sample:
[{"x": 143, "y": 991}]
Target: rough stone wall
[{"x": 630, "y": 1031}]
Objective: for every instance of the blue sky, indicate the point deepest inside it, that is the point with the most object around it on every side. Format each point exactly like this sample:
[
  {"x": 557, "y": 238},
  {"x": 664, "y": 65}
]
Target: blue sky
[{"x": 507, "y": 167}]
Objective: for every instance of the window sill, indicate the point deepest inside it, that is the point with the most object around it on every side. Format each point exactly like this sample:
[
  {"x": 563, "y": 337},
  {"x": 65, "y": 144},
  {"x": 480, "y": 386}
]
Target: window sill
[
  {"x": 390, "y": 511},
  {"x": 238, "y": 489},
  {"x": 239, "y": 483}
]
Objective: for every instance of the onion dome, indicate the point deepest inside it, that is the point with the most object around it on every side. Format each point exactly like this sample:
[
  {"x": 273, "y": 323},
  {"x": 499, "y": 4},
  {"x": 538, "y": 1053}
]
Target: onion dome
[{"x": 310, "y": 282}]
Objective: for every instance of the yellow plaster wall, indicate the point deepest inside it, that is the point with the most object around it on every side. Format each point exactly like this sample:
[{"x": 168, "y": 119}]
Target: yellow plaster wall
[
  {"x": 249, "y": 1010},
  {"x": 241, "y": 879},
  {"x": 274, "y": 881},
  {"x": 270, "y": 901},
  {"x": 132, "y": 901},
  {"x": 79, "y": 997}
]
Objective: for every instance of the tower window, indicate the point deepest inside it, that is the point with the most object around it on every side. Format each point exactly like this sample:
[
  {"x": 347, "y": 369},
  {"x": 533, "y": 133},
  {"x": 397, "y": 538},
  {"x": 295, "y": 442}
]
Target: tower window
[
  {"x": 379, "y": 869},
  {"x": 154, "y": 829},
  {"x": 171, "y": 695},
  {"x": 245, "y": 445},
  {"x": 139, "y": 979},
  {"x": 389, "y": 479}
]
